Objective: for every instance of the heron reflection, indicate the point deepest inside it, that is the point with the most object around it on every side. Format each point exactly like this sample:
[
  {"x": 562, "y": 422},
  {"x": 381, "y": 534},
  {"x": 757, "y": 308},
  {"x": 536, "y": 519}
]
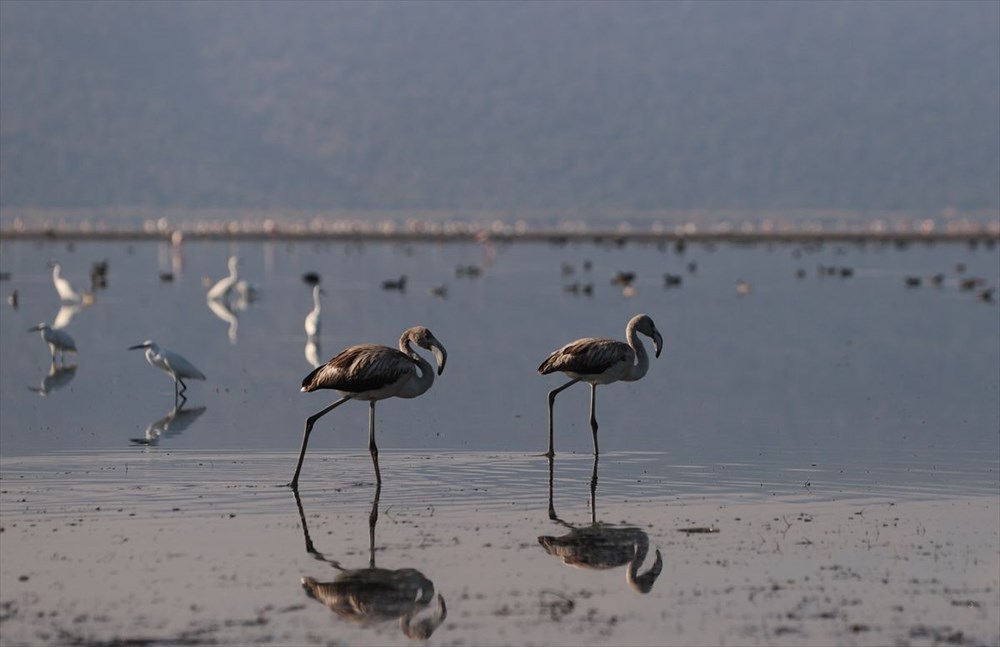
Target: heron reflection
[
  {"x": 601, "y": 546},
  {"x": 66, "y": 313},
  {"x": 313, "y": 353},
  {"x": 174, "y": 423},
  {"x": 59, "y": 375},
  {"x": 373, "y": 595},
  {"x": 221, "y": 309}
]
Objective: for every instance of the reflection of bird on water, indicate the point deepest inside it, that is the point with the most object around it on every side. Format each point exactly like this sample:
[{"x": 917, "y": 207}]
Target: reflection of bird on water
[
  {"x": 601, "y": 546},
  {"x": 66, "y": 292},
  {"x": 597, "y": 360},
  {"x": 172, "y": 364},
  {"x": 57, "y": 377},
  {"x": 312, "y": 352},
  {"x": 373, "y": 595},
  {"x": 224, "y": 286},
  {"x": 66, "y": 313},
  {"x": 312, "y": 323},
  {"x": 371, "y": 372},
  {"x": 58, "y": 340},
  {"x": 176, "y": 421},
  {"x": 222, "y": 310}
]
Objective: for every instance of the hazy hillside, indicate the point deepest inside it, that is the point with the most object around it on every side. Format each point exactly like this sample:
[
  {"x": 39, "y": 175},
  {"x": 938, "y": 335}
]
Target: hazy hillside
[{"x": 500, "y": 105}]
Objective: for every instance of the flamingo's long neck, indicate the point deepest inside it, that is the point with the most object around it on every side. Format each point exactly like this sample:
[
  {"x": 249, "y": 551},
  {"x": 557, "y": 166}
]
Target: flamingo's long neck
[
  {"x": 642, "y": 359},
  {"x": 420, "y": 384}
]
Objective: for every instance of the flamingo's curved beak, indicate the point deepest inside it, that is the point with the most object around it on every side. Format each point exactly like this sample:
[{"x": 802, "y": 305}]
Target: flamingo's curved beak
[
  {"x": 657, "y": 342},
  {"x": 440, "y": 355}
]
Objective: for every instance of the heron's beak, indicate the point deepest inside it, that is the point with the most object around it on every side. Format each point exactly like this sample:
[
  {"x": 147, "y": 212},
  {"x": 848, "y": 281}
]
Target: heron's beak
[
  {"x": 34, "y": 329},
  {"x": 440, "y": 356},
  {"x": 657, "y": 342},
  {"x": 137, "y": 347}
]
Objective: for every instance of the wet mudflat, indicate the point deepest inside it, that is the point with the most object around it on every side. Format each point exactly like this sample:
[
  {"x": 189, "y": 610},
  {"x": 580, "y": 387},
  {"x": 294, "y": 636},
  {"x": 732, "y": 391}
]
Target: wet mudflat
[
  {"x": 815, "y": 457},
  {"x": 186, "y": 548}
]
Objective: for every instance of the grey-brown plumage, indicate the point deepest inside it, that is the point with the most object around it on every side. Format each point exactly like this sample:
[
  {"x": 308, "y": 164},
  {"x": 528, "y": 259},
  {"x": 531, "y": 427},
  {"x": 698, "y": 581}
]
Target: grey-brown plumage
[
  {"x": 372, "y": 372},
  {"x": 588, "y": 356},
  {"x": 599, "y": 360},
  {"x": 361, "y": 368}
]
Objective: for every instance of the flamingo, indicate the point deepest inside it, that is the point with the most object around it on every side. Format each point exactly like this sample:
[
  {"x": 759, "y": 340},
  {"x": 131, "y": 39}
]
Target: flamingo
[
  {"x": 171, "y": 363},
  {"x": 372, "y": 372},
  {"x": 58, "y": 340},
  {"x": 222, "y": 289},
  {"x": 596, "y": 360}
]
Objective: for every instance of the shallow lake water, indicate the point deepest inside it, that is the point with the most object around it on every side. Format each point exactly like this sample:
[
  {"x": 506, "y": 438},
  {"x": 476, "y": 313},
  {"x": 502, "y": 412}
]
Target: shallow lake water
[{"x": 794, "y": 405}]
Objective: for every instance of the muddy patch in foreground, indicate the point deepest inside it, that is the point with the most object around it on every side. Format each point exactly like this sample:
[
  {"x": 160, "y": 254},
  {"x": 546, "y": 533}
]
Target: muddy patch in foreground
[{"x": 165, "y": 556}]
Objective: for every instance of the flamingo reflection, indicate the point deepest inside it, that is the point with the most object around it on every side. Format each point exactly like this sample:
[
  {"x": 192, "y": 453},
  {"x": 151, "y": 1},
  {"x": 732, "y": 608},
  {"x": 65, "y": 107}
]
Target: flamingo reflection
[
  {"x": 174, "y": 423},
  {"x": 372, "y": 595},
  {"x": 601, "y": 546},
  {"x": 59, "y": 375}
]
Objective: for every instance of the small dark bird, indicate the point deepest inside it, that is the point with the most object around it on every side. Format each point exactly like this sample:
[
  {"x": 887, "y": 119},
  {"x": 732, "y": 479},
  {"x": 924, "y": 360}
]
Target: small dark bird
[
  {"x": 938, "y": 279},
  {"x": 680, "y": 246},
  {"x": 623, "y": 278},
  {"x": 986, "y": 296},
  {"x": 440, "y": 291},
  {"x": 672, "y": 280},
  {"x": 960, "y": 268},
  {"x": 692, "y": 267},
  {"x": 398, "y": 285},
  {"x": 166, "y": 277},
  {"x": 971, "y": 284},
  {"x": 471, "y": 271},
  {"x": 846, "y": 272},
  {"x": 99, "y": 276},
  {"x": 587, "y": 265},
  {"x": 567, "y": 269},
  {"x": 311, "y": 278},
  {"x": 912, "y": 281},
  {"x": 800, "y": 274}
]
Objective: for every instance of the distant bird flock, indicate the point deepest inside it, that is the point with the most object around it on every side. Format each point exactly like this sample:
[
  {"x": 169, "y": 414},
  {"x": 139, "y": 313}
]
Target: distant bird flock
[{"x": 370, "y": 372}]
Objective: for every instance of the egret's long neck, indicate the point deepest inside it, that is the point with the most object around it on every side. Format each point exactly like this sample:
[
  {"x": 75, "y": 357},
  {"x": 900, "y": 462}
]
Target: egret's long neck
[
  {"x": 642, "y": 359},
  {"x": 316, "y": 301},
  {"x": 424, "y": 380}
]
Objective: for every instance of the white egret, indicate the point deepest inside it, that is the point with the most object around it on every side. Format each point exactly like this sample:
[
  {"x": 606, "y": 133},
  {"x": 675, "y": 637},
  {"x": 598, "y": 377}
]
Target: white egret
[
  {"x": 370, "y": 372},
  {"x": 312, "y": 323},
  {"x": 172, "y": 364},
  {"x": 66, "y": 292},
  {"x": 597, "y": 360},
  {"x": 222, "y": 289},
  {"x": 58, "y": 340}
]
